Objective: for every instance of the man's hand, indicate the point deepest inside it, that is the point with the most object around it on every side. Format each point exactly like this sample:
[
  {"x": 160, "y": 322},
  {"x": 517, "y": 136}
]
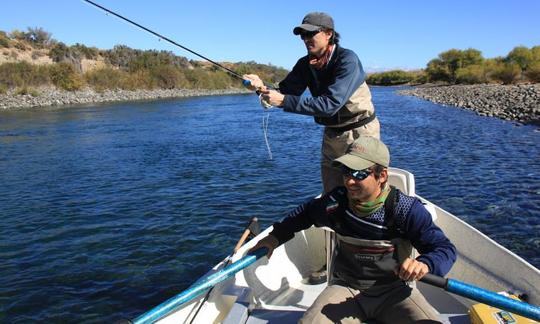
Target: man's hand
[
  {"x": 256, "y": 84},
  {"x": 272, "y": 97},
  {"x": 270, "y": 242},
  {"x": 411, "y": 270}
]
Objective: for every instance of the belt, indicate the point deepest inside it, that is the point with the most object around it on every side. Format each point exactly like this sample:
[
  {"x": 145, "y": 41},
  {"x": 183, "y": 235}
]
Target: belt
[{"x": 357, "y": 124}]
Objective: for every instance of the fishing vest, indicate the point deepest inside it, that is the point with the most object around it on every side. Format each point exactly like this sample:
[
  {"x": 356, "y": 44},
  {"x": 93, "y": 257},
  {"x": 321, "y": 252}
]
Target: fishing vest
[
  {"x": 357, "y": 111},
  {"x": 368, "y": 265}
]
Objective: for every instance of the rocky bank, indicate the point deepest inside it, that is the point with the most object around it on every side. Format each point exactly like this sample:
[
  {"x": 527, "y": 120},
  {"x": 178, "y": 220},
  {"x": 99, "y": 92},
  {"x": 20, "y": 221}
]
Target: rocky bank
[
  {"x": 46, "y": 97},
  {"x": 519, "y": 103}
]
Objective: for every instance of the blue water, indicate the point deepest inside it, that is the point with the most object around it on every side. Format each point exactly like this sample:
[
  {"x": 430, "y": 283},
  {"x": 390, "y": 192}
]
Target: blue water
[{"x": 108, "y": 210}]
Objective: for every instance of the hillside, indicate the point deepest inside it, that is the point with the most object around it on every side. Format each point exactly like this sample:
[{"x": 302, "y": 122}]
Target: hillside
[{"x": 33, "y": 59}]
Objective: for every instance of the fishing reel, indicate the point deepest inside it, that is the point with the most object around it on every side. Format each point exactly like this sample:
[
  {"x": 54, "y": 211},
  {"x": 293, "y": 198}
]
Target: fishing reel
[{"x": 264, "y": 103}]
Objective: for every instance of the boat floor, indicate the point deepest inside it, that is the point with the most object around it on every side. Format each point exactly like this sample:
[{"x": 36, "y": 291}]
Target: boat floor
[{"x": 290, "y": 304}]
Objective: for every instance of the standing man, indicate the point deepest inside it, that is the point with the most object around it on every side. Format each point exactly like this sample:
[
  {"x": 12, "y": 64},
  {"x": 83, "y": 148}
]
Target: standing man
[
  {"x": 341, "y": 100},
  {"x": 376, "y": 227}
]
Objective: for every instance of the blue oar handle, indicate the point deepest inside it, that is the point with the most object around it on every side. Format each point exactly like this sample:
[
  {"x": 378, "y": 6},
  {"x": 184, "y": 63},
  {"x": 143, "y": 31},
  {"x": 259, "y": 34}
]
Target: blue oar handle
[
  {"x": 484, "y": 296},
  {"x": 202, "y": 285}
]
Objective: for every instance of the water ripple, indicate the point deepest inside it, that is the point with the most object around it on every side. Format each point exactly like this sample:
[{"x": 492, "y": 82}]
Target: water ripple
[{"x": 109, "y": 210}]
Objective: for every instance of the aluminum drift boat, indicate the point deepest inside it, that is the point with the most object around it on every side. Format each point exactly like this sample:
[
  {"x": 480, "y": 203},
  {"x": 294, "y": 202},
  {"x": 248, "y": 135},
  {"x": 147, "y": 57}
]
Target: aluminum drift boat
[{"x": 277, "y": 290}]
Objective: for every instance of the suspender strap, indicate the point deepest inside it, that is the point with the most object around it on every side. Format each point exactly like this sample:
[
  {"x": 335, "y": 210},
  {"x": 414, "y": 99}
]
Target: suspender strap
[{"x": 389, "y": 208}]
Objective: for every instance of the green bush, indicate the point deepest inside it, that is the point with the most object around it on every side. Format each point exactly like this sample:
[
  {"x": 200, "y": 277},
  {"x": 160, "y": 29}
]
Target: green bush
[
  {"x": 65, "y": 76},
  {"x": 388, "y": 78},
  {"x": 4, "y": 39},
  {"x": 90, "y": 53},
  {"x": 521, "y": 56},
  {"x": 23, "y": 74},
  {"x": 165, "y": 76},
  {"x": 105, "y": 78},
  {"x": 506, "y": 73},
  {"x": 533, "y": 72},
  {"x": 3, "y": 88},
  {"x": 471, "y": 74}
]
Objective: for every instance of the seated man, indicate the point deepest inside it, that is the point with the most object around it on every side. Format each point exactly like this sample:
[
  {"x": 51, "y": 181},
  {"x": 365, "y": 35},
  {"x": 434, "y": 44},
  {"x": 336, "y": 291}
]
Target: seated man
[{"x": 375, "y": 226}]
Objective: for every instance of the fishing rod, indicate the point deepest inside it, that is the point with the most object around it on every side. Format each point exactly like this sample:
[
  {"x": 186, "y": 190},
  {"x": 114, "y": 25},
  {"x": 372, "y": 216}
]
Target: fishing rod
[{"x": 233, "y": 73}]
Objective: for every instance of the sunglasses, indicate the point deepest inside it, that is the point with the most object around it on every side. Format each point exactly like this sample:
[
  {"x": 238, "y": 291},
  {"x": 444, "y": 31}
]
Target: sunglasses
[
  {"x": 356, "y": 174},
  {"x": 309, "y": 34}
]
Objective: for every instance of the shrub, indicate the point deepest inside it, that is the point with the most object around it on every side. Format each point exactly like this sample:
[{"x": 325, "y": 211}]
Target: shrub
[
  {"x": 104, "y": 78},
  {"x": 395, "y": 77},
  {"x": 3, "y": 88},
  {"x": 65, "y": 76},
  {"x": 506, "y": 73},
  {"x": 471, "y": 74},
  {"x": 4, "y": 39},
  {"x": 165, "y": 76},
  {"x": 23, "y": 74},
  {"x": 533, "y": 72},
  {"x": 521, "y": 56},
  {"x": 90, "y": 53},
  {"x": 38, "y": 37},
  {"x": 137, "y": 80}
]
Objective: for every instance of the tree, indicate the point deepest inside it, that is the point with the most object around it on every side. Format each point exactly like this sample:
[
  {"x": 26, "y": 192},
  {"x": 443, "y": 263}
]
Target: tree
[
  {"x": 444, "y": 68},
  {"x": 521, "y": 56}
]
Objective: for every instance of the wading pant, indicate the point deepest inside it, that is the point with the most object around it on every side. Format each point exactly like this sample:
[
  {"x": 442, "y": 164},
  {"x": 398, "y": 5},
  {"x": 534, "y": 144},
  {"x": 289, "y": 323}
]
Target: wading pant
[
  {"x": 340, "y": 304},
  {"x": 335, "y": 144}
]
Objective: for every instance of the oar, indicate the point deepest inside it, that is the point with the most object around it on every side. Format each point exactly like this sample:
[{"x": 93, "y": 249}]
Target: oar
[
  {"x": 484, "y": 296},
  {"x": 187, "y": 295},
  {"x": 252, "y": 227}
]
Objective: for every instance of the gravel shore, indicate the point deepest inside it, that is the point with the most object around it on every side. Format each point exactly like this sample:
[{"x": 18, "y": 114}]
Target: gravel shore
[
  {"x": 519, "y": 103},
  {"x": 47, "y": 97}
]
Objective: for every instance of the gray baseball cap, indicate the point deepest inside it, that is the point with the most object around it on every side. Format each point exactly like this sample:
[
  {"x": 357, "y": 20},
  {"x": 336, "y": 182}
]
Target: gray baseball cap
[
  {"x": 365, "y": 152},
  {"x": 314, "y": 21}
]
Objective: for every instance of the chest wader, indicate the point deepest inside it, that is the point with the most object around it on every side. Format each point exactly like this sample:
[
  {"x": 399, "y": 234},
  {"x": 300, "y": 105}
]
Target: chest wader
[{"x": 370, "y": 264}]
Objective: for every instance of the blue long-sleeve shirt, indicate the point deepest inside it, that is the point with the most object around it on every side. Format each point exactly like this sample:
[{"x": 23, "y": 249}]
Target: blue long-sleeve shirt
[
  {"x": 330, "y": 87},
  {"x": 412, "y": 220}
]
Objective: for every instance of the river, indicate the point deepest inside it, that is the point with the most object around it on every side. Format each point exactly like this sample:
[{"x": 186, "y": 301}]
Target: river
[{"x": 107, "y": 210}]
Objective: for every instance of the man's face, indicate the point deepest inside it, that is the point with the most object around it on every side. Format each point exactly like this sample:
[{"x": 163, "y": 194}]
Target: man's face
[
  {"x": 316, "y": 42},
  {"x": 364, "y": 190}
]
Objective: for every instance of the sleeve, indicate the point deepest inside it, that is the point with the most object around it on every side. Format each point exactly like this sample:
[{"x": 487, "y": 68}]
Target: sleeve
[
  {"x": 303, "y": 217},
  {"x": 435, "y": 248},
  {"x": 295, "y": 83},
  {"x": 349, "y": 75}
]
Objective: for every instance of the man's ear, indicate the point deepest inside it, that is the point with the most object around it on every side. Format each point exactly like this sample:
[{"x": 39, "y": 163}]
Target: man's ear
[{"x": 384, "y": 176}]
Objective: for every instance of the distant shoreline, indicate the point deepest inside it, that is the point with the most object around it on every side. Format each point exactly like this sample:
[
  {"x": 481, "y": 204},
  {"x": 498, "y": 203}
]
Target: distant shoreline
[
  {"x": 520, "y": 103},
  {"x": 52, "y": 97}
]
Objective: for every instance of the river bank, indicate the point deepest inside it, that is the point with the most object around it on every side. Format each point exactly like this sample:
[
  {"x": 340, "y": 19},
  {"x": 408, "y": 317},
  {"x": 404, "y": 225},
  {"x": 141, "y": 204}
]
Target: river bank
[
  {"x": 46, "y": 97},
  {"x": 519, "y": 103}
]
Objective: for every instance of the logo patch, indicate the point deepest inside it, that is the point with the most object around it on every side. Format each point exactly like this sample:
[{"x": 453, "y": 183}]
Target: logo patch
[{"x": 332, "y": 206}]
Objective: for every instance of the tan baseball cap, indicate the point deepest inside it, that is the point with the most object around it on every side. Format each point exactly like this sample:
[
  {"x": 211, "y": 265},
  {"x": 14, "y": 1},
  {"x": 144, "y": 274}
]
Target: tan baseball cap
[{"x": 364, "y": 153}]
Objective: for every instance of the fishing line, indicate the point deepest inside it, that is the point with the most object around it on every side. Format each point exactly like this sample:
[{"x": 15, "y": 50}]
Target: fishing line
[{"x": 265, "y": 131}]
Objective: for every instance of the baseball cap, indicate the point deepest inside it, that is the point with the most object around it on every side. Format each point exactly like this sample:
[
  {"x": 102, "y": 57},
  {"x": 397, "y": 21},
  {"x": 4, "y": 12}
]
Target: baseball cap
[
  {"x": 314, "y": 21},
  {"x": 364, "y": 153}
]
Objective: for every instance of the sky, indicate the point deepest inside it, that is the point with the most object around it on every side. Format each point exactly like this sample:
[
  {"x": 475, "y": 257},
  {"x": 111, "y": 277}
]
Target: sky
[{"x": 386, "y": 34}]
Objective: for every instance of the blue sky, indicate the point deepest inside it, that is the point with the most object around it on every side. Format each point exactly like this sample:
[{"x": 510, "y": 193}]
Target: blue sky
[{"x": 384, "y": 34}]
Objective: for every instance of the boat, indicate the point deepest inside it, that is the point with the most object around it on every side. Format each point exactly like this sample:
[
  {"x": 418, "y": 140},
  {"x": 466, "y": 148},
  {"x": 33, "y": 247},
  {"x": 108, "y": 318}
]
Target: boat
[{"x": 277, "y": 290}]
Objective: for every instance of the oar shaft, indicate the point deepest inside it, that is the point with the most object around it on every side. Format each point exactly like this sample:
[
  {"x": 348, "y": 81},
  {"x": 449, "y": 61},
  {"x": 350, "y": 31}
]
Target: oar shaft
[
  {"x": 187, "y": 295},
  {"x": 484, "y": 296},
  {"x": 493, "y": 299}
]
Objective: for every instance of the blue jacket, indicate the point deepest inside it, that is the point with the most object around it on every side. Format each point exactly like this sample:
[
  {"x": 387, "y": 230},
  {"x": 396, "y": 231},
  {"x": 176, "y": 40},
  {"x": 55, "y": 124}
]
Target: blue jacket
[
  {"x": 330, "y": 87},
  {"x": 412, "y": 220}
]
